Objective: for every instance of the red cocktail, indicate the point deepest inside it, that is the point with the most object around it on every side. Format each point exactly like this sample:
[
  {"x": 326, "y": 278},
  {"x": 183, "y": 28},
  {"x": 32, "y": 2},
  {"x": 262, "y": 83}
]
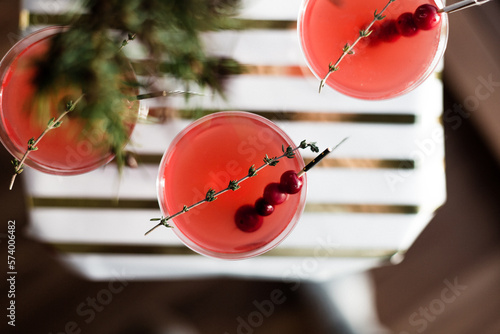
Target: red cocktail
[
  {"x": 74, "y": 147},
  {"x": 377, "y": 69},
  {"x": 208, "y": 154}
]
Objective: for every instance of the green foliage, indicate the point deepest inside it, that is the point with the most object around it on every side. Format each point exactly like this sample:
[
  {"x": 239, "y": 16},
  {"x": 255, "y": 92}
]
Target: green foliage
[
  {"x": 252, "y": 171},
  {"x": 270, "y": 161},
  {"x": 314, "y": 148},
  {"x": 88, "y": 56},
  {"x": 233, "y": 185},
  {"x": 289, "y": 152},
  {"x": 210, "y": 196}
]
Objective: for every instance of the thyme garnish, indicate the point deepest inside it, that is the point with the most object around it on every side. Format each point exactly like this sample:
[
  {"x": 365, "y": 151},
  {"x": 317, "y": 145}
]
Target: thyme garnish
[
  {"x": 53, "y": 124},
  {"x": 130, "y": 37},
  {"x": 32, "y": 142},
  {"x": 234, "y": 185},
  {"x": 348, "y": 49}
]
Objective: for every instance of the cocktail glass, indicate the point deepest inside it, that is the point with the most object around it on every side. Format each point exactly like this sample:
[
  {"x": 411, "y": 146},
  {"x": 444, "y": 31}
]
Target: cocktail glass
[
  {"x": 72, "y": 148},
  {"x": 376, "y": 70},
  {"x": 208, "y": 154}
]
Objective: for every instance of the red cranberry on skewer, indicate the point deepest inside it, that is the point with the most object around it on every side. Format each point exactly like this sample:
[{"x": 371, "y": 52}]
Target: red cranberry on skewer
[
  {"x": 263, "y": 208},
  {"x": 385, "y": 31},
  {"x": 273, "y": 194},
  {"x": 406, "y": 25},
  {"x": 290, "y": 182},
  {"x": 426, "y": 17},
  {"x": 247, "y": 219}
]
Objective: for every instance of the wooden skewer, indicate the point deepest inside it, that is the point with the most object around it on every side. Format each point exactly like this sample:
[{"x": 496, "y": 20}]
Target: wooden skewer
[
  {"x": 462, "y": 5},
  {"x": 319, "y": 158}
]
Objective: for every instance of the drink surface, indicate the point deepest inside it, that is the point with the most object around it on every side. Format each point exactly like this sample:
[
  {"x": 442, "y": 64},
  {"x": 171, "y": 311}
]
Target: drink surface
[
  {"x": 376, "y": 70},
  {"x": 219, "y": 148},
  {"x": 72, "y": 148}
]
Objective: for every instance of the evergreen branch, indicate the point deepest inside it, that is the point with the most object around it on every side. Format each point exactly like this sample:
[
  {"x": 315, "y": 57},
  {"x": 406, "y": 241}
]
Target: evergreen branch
[{"x": 84, "y": 55}]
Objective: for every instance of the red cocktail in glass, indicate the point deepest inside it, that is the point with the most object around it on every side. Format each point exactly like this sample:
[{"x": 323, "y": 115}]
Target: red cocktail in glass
[
  {"x": 208, "y": 154},
  {"x": 74, "y": 147},
  {"x": 376, "y": 70}
]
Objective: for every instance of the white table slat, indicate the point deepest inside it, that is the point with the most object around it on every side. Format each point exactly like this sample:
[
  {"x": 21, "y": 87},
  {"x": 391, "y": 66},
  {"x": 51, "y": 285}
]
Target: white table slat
[
  {"x": 325, "y": 185},
  {"x": 300, "y": 94},
  {"x": 270, "y": 10},
  {"x": 294, "y": 270},
  {"x": 383, "y": 141},
  {"x": 99, "y": 226}
]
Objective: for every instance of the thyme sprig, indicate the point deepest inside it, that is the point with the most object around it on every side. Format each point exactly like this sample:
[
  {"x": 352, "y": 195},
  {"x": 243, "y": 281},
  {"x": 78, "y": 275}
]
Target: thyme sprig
[
  {"x": 130, "y": 37},
  {"x": 32, "y": 142},
  {"x": 234, "y": 185},
  {"x": 348, "y": 49}
]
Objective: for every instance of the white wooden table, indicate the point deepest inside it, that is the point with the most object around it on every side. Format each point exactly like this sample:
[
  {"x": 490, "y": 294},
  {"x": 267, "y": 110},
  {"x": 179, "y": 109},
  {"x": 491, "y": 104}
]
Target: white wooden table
[{"x": 366, "y": 204}]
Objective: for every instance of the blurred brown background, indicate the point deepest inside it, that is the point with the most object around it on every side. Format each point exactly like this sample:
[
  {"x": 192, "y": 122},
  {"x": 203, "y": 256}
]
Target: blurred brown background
[
  {"x": 460, "y": 247},
  {"x": 463, "y": 241}
]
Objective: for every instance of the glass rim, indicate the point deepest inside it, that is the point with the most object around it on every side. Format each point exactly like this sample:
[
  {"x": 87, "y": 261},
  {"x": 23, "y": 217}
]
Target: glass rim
[
  {"x": 230, "y": 255},
  {"x": 16, "y": 152},
  {"x": 438, "y": 56}
]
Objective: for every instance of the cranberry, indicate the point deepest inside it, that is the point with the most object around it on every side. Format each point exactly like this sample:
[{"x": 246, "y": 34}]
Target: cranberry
[
  {"x": 263, "y": 208},
  {"x": 387, "y": 31},
  {"x": 426, "y": 17},
  {"x": 273, "y": 194},
  {"x": 290, "y": 182},
  {"x": 406, "y": 25},
  {"x": 247, "y": 219},
  {"x": 372, "y": 39}
]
